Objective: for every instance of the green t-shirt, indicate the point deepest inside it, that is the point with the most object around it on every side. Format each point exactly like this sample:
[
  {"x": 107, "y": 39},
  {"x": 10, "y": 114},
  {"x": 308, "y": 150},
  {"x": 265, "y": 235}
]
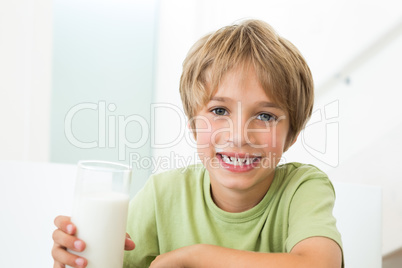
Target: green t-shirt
[{"x": 175, "y": 209}]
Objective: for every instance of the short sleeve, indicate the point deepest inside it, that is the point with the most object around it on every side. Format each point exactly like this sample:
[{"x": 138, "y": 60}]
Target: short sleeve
[
  {"x": 141, "y": 225},
  {"x": 310, "y": 212}
]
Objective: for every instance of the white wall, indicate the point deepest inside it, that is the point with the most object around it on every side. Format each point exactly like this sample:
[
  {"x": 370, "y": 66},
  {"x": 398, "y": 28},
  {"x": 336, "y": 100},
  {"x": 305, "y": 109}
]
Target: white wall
[
  {"x": 25, "y": 79},
  {"x": 103, "y": 70},
  {"x": 55, "y": 55}
]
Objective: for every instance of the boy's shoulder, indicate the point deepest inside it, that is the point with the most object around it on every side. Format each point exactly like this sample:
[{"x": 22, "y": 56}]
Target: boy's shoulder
[
  {"x": 295, "y": 173},
  {"x": 291, "y": 177},
  {"x": 299, "y": 169}
]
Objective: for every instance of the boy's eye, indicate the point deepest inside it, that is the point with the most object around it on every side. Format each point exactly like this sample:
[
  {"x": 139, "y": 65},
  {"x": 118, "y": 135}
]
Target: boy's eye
[
  {"x": 265, "y": 117},
  {"x": 219, "y": 111}
]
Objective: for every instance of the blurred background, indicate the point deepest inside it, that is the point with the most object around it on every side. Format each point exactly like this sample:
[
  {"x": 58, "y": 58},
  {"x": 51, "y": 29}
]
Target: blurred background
[{"x": 99, "y": 80}]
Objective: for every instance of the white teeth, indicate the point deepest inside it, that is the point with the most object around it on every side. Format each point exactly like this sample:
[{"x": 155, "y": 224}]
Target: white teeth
[
  {"x": 248, "y": 161},
  {"x": 237, "y": 161},
  {"x": 226, "y": 159}
]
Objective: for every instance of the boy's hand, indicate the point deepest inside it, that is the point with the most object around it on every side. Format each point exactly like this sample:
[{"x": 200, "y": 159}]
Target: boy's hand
[
  {"x": 129, "y": 244},
  {"x": 64, "y": 239}
]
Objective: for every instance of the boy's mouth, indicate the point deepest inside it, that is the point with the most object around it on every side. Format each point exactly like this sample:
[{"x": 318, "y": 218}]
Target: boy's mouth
[{"x": 238, "y": 159}]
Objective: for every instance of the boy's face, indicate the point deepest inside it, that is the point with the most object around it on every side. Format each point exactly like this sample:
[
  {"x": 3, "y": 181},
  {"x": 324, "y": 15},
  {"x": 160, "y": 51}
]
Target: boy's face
[{"x": 241, "y": 134}]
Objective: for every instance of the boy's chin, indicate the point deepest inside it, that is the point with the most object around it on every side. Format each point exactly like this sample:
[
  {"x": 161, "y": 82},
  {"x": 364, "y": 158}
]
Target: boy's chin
[{"x": 239, "y": 182}]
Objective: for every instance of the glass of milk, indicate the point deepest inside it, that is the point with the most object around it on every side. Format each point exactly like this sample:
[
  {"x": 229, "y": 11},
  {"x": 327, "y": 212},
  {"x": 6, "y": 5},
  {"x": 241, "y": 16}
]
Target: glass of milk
[{"x": 100, "y": 211}]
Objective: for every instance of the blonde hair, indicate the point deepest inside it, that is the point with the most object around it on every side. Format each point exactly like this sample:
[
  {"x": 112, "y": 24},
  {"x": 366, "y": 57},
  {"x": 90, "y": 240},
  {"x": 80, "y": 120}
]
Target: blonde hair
[{"x": 281, "y": 69}]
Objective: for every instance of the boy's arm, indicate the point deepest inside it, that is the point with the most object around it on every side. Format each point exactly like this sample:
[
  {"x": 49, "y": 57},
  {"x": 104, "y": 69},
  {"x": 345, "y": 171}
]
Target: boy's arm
[{"x": 311, "y": 252}]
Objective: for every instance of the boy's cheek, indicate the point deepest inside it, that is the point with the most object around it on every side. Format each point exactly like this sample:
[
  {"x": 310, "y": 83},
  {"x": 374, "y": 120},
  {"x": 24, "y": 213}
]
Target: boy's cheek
[
  {"x": 201, "y": 122},
  {"x": 202, "y": 140},
  {"x": 209, "y": 161}
]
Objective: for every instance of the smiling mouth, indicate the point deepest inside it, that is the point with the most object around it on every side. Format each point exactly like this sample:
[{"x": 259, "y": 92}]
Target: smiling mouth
[{"x": 235, "y": 160}]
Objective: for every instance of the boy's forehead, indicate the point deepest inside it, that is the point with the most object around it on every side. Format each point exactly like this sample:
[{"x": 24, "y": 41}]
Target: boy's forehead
[
  {"x": 217, "y": 74},
  {"x": 215, "y": 77}
]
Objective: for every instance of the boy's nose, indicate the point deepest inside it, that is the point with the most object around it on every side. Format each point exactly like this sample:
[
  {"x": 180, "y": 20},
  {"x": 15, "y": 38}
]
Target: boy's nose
[{"x": 239, "y": 135}]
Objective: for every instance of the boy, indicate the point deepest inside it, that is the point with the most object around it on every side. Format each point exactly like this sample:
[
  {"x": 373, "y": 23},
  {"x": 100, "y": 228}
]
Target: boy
[{"x": 247, "y": 93}]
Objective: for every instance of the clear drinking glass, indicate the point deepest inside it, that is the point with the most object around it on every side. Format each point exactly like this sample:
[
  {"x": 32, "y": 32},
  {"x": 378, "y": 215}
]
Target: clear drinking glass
[{"x": 100, "y": 211}]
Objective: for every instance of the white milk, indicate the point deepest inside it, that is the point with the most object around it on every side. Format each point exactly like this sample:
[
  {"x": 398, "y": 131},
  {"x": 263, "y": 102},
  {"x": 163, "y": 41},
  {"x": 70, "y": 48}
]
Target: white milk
[{"x": 101, "y": 223}]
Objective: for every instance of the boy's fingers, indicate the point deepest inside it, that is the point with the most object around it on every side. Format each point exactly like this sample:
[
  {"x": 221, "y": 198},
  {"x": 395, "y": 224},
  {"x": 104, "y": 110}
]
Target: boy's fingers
[
  {"x": 129, "y": 244},
  {"x": 64, "y": 223},
  {"x": 68, "y": 241},
  {"x": 62, "y": 257}
]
